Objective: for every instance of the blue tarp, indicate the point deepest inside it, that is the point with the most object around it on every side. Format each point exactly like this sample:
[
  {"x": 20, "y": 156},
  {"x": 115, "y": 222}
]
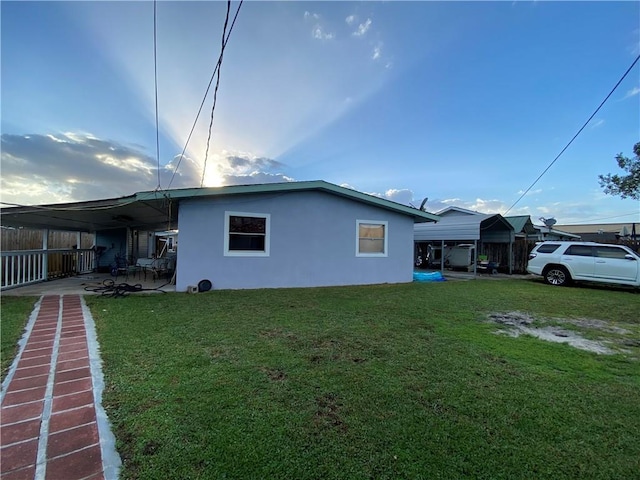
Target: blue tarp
[{"x": 428, "y": 277}]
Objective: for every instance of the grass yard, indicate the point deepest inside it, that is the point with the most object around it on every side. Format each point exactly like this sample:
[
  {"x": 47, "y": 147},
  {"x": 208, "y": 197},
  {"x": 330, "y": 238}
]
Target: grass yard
[
  {"x": 401, "y": 381},
  {"x": 14, "y": 313},
  {"x": 392, "y": 381}
]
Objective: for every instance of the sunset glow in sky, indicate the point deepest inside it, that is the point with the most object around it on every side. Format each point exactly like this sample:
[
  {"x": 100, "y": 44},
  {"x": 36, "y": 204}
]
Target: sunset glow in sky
[{"x": 465, "y": 103}]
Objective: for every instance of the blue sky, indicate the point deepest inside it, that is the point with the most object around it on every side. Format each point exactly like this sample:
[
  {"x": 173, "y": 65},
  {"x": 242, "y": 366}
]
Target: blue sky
[{"x": 465, "y": 103}]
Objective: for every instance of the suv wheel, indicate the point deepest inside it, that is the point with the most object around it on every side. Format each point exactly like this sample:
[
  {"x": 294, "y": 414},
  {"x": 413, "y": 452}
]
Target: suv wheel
[{"x": 558, "y": 276}]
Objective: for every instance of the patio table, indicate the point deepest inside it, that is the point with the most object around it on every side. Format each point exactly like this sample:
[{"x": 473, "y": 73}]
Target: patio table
[{"x": 144, "y": 263}]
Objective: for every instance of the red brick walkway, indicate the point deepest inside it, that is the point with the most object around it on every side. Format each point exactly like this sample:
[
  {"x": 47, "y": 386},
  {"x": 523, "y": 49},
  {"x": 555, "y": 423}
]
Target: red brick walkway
[{"x": 49, "y": 426}]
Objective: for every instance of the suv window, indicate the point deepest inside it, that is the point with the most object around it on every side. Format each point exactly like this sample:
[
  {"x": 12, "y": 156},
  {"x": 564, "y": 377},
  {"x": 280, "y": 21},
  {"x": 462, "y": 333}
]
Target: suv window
[
  {"x": 548, "y": 248},
  {"x": 579, "y": 250},
  {"x": 611, "y": 252}
]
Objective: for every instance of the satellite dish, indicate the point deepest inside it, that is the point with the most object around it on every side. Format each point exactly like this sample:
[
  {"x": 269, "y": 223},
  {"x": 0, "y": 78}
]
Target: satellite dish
[
  {"x": 423, "y": 203},
  {"x": 549, "y": 222}
]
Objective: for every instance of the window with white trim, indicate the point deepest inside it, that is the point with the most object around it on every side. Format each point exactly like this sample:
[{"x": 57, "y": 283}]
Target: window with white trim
[
  {"x": 246, "y": 234},
  {"x": 371, "y": 238}
]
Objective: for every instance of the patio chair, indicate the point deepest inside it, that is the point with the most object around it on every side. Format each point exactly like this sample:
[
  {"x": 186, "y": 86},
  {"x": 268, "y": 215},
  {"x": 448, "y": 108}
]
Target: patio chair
[
  {"x": 119, "y": 266},
  {"x": 123, "y": 267},
  {"x": 159, "y": 267},
  {"x": 133, "y": 268}
]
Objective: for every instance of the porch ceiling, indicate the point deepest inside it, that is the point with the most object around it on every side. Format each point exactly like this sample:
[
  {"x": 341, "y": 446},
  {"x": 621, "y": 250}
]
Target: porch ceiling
[{"x": 143, "y": 214}]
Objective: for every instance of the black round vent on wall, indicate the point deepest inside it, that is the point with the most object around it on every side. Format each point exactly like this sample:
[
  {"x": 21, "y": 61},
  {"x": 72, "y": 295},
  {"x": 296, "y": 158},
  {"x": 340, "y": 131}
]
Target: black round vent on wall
[{"x": 204, "y": 286}]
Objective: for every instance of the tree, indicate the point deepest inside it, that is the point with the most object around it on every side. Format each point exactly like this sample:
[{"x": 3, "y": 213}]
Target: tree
[{"x": 624, "y": 185}]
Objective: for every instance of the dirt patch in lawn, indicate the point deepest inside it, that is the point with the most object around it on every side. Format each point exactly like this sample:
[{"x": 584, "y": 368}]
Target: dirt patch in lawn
[
  {"x": 328, "y": 413},
  {"x": 277, "y": 333},
  {"x": 593, "y": 335},
  {"x": 274, "y": 374}
]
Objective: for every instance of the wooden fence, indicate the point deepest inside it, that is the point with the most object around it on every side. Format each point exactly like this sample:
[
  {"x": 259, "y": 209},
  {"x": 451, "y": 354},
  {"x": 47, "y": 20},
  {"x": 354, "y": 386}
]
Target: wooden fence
[
  {"x": 14, "y": 239},
  {"x": 23, "y": 260},
  {"x": 499, "y": 253}
]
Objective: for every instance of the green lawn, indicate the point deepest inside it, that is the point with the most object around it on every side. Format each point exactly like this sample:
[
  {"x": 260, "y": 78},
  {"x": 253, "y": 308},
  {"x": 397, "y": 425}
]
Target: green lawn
[
  {"x": 14, "y": 313},
  {"x": 402, "y": 381}
]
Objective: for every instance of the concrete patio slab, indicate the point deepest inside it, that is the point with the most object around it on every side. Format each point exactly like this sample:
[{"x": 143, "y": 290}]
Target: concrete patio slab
[{"x": 90, "y": 284}]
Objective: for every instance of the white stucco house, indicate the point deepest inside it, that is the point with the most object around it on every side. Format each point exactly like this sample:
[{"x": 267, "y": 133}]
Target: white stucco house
[
  {"x": 294, "y": 234},
  {"x": 302, "y": 234}
]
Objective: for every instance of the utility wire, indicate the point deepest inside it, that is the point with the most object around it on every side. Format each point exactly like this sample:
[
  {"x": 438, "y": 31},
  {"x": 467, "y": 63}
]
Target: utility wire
[
  {"x": 155, "y": 78},
  {"x": 575, "y": 136},
  {"x": 53, "y": 208},
  {"x": 204, "y": 98},
  {"x": 215, "y": 92},
  {"x": 603, "y": 218}
]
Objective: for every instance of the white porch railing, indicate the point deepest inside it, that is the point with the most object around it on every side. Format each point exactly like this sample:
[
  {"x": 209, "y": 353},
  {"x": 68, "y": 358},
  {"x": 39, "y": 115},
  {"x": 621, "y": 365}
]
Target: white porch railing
[{"x": 30, "y": 266}]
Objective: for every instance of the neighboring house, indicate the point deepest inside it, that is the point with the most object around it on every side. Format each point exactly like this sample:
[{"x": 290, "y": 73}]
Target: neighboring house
[
  {"x": 523, "y": 227},
  {"x": 490, "y": 234},
  {"x": 619, "y": 233},
  {"x": 526, "y": 235},
  {"x": 603, "y": 232},
  {"x": 554, "y": 233},
  {"x": 296, "y": 234}
]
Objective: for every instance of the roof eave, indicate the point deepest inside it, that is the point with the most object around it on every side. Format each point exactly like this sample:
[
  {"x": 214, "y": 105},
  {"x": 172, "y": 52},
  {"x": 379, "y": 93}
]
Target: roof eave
[{"x": 419, "y": 216}]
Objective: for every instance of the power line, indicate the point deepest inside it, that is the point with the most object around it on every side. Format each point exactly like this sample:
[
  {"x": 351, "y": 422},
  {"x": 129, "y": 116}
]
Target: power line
[
  {"x": 575, "y": 136},
  {"x": 215, "y": 92},
  {"x": 77, "y": 208},
  {"x": 204, "y": 98},
  {"x": 602, "y": 218},
  {"x": 155, "y": 78}
]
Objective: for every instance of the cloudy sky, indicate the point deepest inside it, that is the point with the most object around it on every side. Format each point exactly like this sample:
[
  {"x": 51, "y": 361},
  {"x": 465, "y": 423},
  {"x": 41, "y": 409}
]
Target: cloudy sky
[{"x": 465, "y": 103}]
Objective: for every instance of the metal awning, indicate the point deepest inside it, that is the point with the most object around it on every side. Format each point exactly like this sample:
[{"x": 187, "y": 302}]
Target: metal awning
[{"x": 153, "y": 213}]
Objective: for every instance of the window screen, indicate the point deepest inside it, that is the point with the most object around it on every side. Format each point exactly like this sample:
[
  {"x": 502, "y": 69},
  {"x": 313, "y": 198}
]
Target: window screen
[
  {"x": 246, "y": 234},
  {"x": 372, "y": 238}
]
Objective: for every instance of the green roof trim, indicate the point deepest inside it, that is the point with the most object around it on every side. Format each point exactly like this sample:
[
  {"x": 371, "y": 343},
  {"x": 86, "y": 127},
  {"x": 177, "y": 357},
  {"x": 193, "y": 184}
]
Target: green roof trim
[{"x": 318, "y": 185}]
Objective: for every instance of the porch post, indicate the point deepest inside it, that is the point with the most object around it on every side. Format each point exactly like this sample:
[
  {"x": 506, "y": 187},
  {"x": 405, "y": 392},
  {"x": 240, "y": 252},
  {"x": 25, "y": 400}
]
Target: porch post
[
  {"x": 475, "y": 260},
  {"x": 94, "y": 256},
  {"x": 45, "y": 256},
  {"x": 511, "y": 254},
  {"x": 129, "y": 247},
  {"x": 79, "y": 262}
]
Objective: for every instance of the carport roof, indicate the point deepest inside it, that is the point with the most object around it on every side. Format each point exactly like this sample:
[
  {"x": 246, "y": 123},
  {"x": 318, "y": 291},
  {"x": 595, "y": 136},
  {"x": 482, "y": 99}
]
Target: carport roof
[
  {"x": 158, "y": 210},
  {"x": 461, "y": 227}
]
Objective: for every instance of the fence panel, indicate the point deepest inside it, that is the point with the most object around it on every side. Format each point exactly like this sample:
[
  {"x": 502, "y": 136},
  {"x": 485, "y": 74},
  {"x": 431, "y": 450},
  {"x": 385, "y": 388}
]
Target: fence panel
[
  {"x": 28, "y": 266},
  {"x": 18, "y": 239},
  {"x": 21, "y": 268}
]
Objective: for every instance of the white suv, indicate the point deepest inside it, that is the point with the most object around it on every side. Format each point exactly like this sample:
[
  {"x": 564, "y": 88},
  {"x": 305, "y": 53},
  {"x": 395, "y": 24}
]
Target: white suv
[{"x": 559, "y": 263}]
